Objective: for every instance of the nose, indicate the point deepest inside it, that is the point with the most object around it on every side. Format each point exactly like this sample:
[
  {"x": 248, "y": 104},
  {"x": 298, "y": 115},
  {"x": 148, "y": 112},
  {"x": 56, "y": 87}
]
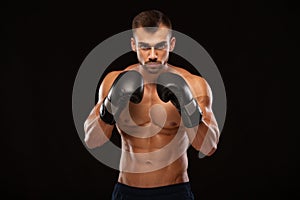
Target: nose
[{"x": 152, "y": 55}]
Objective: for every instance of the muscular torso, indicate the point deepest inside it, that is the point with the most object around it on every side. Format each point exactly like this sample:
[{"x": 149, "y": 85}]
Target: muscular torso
[{"x": 153, "y": 142}]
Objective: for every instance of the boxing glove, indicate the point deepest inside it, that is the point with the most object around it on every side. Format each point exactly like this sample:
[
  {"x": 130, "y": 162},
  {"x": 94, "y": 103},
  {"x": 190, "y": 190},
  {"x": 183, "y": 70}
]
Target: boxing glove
[
  {"x": 172, "y": 87},
  {"x": 128, "y": 86}
]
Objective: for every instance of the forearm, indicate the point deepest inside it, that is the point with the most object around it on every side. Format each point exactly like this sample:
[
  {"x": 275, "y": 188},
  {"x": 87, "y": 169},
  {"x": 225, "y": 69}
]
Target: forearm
[
  {"x": 97, "y": 132},
  {"x": 205, "y": 136}
]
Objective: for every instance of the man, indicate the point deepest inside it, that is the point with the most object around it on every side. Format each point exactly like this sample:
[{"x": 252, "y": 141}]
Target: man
[{"x": 159, "y": 110}]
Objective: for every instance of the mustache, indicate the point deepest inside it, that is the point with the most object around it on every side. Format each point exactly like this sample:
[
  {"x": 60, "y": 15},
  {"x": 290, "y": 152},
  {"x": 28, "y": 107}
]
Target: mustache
[{"x": 153, "y": 62}]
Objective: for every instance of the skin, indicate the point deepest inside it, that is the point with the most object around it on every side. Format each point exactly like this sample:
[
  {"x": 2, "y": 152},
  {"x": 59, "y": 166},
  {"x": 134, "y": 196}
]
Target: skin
[{"x": 154, "y": 141}]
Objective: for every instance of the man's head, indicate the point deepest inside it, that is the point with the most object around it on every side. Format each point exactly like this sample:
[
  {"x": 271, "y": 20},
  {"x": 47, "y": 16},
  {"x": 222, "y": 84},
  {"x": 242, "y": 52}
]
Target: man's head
[{"x": 152, "y": 39}]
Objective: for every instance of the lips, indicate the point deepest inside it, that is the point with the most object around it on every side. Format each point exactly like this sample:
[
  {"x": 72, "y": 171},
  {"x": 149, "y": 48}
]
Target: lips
[{"x": 153, "y": 64}]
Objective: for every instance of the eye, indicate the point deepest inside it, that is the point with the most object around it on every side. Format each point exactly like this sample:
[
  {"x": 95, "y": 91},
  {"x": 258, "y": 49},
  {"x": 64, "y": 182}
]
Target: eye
[
  {"x": 161, "y": 46},
  {"x": 144, "y": 47}
]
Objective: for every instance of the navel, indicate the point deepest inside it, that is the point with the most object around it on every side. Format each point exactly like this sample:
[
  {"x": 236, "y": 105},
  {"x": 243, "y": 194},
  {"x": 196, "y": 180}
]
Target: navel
[{"x": 148, "y": 162}]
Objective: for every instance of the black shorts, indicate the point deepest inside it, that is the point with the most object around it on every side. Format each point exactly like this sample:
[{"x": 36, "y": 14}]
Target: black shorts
[{"x": 180, "y": 191}]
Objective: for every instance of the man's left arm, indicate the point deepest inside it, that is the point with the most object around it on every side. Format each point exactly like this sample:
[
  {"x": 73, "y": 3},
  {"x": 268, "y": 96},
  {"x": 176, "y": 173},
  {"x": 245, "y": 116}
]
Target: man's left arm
[
  {"x": 192, "y": 97},
  {"x": 205, "y": 136}
]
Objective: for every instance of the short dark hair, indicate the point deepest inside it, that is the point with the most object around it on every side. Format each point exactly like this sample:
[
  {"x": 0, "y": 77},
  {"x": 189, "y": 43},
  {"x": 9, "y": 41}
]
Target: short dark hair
[{"x": 151, "y": 18}]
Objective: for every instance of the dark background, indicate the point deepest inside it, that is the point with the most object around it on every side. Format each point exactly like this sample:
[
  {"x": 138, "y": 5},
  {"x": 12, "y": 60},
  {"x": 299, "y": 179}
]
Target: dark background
[{"x": 44, "y": 44}]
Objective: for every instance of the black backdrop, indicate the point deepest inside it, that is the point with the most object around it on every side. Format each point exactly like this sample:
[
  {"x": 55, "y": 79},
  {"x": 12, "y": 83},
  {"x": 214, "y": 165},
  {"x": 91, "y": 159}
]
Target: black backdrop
[{"x": 44, "y": 45}]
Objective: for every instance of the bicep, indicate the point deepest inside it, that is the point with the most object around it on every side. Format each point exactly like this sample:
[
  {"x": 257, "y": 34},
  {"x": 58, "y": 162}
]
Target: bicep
[
  {"x": 201, "y": 92},
  {"x": 203, "y": 95},
  {"x": 205, "y": 104},
  {"x": 106, "y": 85}
]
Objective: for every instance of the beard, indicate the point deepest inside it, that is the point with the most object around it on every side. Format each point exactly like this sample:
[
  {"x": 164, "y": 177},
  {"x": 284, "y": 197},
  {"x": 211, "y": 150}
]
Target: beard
[{"x": 153, "y": 67}]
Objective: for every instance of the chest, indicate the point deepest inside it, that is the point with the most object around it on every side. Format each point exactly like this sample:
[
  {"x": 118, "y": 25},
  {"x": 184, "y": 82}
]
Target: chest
[{"x": 151, "y": 110}]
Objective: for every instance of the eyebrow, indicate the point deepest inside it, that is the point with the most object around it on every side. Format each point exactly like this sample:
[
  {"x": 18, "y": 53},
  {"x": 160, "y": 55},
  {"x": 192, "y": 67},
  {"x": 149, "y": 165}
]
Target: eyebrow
[{"x": 147, "y": 44}]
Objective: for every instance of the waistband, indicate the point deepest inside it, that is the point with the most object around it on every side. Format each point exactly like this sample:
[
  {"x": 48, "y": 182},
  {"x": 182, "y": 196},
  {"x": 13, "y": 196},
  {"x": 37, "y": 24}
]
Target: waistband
[{"x": 168, "y": 189}]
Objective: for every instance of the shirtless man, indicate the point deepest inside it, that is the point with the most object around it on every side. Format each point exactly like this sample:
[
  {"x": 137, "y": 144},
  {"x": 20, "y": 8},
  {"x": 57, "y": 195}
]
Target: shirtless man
[{"x": 159, "y": 110}]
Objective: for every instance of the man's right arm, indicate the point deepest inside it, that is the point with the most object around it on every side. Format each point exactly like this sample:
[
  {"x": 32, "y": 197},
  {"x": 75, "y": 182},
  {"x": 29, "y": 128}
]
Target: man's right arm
[
  {"x": 116, "y": 90},
  {"x": 97, "y": 132}
]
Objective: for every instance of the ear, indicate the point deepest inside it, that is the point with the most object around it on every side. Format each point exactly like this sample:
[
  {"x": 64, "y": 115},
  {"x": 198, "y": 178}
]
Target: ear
[
  {"x": 172, "y": 43},
  {"x": 133, "y": 45}
]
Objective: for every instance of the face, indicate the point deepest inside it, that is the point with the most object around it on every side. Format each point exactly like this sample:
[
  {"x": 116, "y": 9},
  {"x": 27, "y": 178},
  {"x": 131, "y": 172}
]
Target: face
[{"x": 152, "y": 48}]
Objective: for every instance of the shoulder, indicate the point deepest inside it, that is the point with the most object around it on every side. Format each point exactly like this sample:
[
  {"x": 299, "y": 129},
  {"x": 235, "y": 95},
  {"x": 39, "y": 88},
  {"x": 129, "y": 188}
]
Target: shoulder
[
  {"x": 106, "y": 84},
  {"x": 108, "y": 81},
  {"x": 111, "y": 76},
  {"x": 198, "y": 84}
]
